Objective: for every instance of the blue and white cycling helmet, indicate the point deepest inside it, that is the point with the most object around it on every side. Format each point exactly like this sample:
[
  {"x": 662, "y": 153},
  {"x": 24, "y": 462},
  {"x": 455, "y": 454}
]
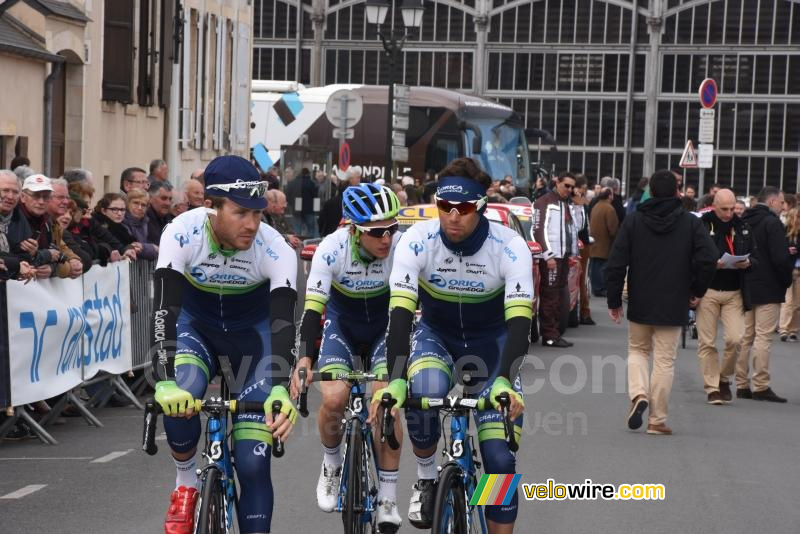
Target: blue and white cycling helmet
[{"x": 369, "y": 202}]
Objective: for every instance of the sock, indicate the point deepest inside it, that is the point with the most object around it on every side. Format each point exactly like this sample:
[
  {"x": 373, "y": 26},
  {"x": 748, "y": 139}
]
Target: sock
[
  {"x": 186, "y": 473},
  {"x": 333, "y": 456},
  {"x": 387, "y": 485},
  {"x": 426, "y": 467}
]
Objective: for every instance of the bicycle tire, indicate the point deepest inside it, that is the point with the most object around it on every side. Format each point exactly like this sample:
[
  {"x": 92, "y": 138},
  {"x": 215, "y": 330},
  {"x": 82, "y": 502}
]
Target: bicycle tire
[
  {"x": 211, "y": 508},
  {"x": 354, "y": 500},
  {"x": 450, "y": 505}
]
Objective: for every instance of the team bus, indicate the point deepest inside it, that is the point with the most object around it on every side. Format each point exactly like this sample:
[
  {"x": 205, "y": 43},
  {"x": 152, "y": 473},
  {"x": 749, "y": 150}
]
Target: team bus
[{"x": 443, "y": 125}]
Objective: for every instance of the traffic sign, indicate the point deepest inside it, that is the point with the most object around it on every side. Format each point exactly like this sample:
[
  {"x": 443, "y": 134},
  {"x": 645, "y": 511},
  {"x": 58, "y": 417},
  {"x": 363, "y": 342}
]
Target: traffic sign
[
  {"x": 689, "y": 157},
  {"x": 706, "y": 134},
  {"x": 344, "y": 108},
  {"x": 705, "y": 156},
  {"x": 344, "y": 156},
  {"x": 343, "y": 133},
  {"x": 707, "y": 114},
  {"x": 399, "y": 153},
  {"x": 401, "y": 91},
  {"x": 400, "y": 122},
  {"x": 401, "y": 106},
  {"x": 399, "y": 138},
  {"x": 708, "y": 93}
]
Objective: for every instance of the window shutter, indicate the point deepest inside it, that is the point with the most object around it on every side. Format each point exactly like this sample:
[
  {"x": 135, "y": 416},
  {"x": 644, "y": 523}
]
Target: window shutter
[{"x": 118, "y": 51}]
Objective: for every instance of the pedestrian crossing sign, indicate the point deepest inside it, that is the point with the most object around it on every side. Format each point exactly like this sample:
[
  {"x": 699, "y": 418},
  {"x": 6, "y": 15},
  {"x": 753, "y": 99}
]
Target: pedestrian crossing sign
[{"x": 689, "y": 158}]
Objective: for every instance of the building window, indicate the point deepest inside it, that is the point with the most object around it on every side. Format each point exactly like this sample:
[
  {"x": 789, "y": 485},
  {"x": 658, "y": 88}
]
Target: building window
[{"x": 118, "y": 51}]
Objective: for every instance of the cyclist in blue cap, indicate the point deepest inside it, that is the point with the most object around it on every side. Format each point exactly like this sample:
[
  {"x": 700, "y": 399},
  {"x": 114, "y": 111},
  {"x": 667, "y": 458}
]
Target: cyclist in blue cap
[
  {"x": 224, "y": 294},
  {"x": 473, "y": 281},
  {"x": 349, "y": 282}
]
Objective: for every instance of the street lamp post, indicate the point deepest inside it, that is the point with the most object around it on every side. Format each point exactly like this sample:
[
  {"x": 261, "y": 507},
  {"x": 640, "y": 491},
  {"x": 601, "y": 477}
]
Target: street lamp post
[{"x": 393, "y": 41}]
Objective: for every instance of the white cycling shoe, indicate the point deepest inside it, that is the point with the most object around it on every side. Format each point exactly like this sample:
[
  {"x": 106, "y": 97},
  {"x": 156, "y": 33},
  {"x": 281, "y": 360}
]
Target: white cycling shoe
[
  {"x": 328, "y": 487},
  {"x": 389, "y": 519}
]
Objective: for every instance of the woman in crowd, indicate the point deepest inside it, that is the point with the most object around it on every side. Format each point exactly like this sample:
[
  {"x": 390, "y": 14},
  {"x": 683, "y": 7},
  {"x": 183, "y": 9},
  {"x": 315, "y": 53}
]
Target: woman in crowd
[
  {"x": 790, "y": 309},
  {"x": 102, "y": 243},
  {"x": 136, "y": 223},
  {"x": 110, "y": 213}
]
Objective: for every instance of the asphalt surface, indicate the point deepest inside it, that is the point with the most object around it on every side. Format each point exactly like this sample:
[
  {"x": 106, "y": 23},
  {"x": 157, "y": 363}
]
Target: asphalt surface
[{"x": 727, "y": 468}]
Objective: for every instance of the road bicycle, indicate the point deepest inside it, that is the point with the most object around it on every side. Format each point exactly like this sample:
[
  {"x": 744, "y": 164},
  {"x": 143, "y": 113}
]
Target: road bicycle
[
  {"x": 216, "y": 508},
  {"x": 458, "y": 477},
  {"x": 358, "y": 491}
]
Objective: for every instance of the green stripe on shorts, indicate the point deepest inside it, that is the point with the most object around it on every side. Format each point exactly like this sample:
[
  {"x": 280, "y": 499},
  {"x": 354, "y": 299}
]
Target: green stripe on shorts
[{"x": 183, "y": 358}]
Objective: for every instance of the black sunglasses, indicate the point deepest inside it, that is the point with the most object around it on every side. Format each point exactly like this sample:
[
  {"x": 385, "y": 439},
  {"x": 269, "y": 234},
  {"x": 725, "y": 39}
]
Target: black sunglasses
[{"x": 379, "y": 231}]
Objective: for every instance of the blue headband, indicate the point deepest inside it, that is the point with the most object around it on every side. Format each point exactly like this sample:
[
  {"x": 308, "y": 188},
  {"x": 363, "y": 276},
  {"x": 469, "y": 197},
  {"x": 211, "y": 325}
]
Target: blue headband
[{"x": 459, "y": 189}]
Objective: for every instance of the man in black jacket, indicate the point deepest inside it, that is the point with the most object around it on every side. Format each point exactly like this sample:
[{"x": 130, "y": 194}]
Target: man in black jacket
[
  {"x": 669, "y": 260},
  {"x": 764, "y": 291},
  {"x": 723, "y": 300}
]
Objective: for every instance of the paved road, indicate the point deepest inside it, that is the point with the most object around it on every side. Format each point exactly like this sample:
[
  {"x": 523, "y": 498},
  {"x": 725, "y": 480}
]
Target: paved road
[{"x": 731, "y": 468}]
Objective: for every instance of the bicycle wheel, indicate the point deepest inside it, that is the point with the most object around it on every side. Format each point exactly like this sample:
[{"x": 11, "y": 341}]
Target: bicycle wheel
[
  {"x": 450, "y": 506},
  {"x": 354, "y": 500},
  {"x": 211, "y": 509}
]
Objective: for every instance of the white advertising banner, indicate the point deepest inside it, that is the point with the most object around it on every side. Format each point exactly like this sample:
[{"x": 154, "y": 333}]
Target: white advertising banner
[{"x": 63, "y": 331}]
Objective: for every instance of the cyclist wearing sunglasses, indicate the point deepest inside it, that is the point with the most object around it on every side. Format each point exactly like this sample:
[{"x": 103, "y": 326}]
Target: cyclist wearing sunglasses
[
  {"x": 474, "y": 284},
  {"x": 224, "y": 286},
  {"x": 349, "y": 283}
]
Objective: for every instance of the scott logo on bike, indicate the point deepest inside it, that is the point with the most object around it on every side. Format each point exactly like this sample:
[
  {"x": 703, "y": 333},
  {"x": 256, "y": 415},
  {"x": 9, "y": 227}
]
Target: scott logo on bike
[
  {"x": 458, "y": 448},
  {"x": 215, "y": 451},
  {"x": 357, "y": 406}
]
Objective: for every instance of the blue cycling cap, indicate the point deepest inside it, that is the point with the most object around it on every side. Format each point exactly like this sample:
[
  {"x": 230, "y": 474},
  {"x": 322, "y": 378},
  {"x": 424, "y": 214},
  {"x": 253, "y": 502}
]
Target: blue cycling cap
[{"x": 235, "y": 178}]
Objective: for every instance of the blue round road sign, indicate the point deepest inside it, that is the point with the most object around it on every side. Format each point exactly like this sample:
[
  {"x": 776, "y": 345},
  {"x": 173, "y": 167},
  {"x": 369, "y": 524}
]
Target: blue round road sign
[{"x": 708, "y": 93}]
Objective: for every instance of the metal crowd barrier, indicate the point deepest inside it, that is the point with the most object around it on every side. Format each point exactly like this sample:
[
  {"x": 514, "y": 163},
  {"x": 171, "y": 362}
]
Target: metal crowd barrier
[{"x": 141, "y": 292}]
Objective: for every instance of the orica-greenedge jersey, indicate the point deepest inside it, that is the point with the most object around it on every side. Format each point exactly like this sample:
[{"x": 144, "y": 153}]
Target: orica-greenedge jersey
[
  {"x": 346, "y": 286},
  {"x": 463, "y": 296},
  {"x": 227, "y": 290}
]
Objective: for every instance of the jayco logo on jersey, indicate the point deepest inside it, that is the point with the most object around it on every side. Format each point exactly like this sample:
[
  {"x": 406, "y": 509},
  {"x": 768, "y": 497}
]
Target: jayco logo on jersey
[
  {"x": 182, "y": 239},
  {"x": 416, "y": 247},
  {"x": 329, "y": 258}
]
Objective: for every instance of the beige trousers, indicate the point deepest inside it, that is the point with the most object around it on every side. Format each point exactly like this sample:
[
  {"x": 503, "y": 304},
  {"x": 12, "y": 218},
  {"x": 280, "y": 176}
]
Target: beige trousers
[
  {"x": 662, "y": 342},
  {"x": 790, "y": 309},
  {"x": 759, "y": 327},
  {"x": 725, "y": 306}
]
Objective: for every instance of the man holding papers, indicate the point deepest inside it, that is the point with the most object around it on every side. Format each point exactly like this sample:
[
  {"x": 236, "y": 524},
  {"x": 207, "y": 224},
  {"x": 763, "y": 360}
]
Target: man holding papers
[{"x": 723, "y": 300}]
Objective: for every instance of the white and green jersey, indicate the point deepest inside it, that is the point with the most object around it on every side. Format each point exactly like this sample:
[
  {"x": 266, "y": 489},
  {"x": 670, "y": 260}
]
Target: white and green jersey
[
  {"x": 467, "y": 297},
  {"x": 345, "y": 285},
  {"x": 227, "y": 289}
]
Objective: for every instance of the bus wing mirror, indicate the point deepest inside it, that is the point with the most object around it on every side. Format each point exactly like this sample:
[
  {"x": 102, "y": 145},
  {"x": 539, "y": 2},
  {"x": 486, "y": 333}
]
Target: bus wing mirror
[{"x": 477, "y": 139}]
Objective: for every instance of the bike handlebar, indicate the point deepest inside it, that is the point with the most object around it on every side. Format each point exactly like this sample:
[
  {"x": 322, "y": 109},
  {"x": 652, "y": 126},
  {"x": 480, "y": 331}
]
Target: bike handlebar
[
  {"x": 352, "y": 376},
  {"x": 387, "y": 430},
  {"x": 215, "y": 405},
  {"x": 302, "y": 401},
  {"x": 464, "y": 403}
]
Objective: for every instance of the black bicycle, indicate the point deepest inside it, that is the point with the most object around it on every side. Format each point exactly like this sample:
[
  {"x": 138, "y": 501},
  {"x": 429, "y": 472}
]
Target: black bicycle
[
  {"x": 358, "y": 490},
  {"x": 216, "y": 509}
]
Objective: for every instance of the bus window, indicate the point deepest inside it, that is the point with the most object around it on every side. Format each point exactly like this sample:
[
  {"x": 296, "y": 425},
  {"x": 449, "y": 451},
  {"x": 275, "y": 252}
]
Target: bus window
[{"x": 441, "y": 151}]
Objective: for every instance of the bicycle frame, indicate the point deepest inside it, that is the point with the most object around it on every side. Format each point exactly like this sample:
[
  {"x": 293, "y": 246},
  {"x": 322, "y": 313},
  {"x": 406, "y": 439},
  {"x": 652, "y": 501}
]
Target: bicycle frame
[
  {"x": 357, "y": 408},
  {"x": 218, "y": 455},
  {"x": 462, "y": 452}
]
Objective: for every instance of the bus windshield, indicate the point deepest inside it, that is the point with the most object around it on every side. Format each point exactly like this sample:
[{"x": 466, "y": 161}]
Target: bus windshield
[{"x": 504, "y": 151}]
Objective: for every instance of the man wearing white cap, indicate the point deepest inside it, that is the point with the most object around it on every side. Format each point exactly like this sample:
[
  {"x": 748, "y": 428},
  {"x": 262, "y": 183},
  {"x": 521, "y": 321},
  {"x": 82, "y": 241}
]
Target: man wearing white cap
[{"x": 50, "y": 255}]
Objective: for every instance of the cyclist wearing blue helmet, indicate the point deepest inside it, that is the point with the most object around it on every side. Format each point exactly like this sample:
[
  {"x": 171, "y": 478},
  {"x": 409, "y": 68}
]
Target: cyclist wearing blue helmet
[
  {"x": 224, "y": 285},
  {"x": 349, "y": 283}
]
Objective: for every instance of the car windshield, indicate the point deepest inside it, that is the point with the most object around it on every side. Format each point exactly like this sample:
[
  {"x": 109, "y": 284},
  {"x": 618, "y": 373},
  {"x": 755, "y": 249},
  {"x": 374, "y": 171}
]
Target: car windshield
[{"x": 504, "y": 151}]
